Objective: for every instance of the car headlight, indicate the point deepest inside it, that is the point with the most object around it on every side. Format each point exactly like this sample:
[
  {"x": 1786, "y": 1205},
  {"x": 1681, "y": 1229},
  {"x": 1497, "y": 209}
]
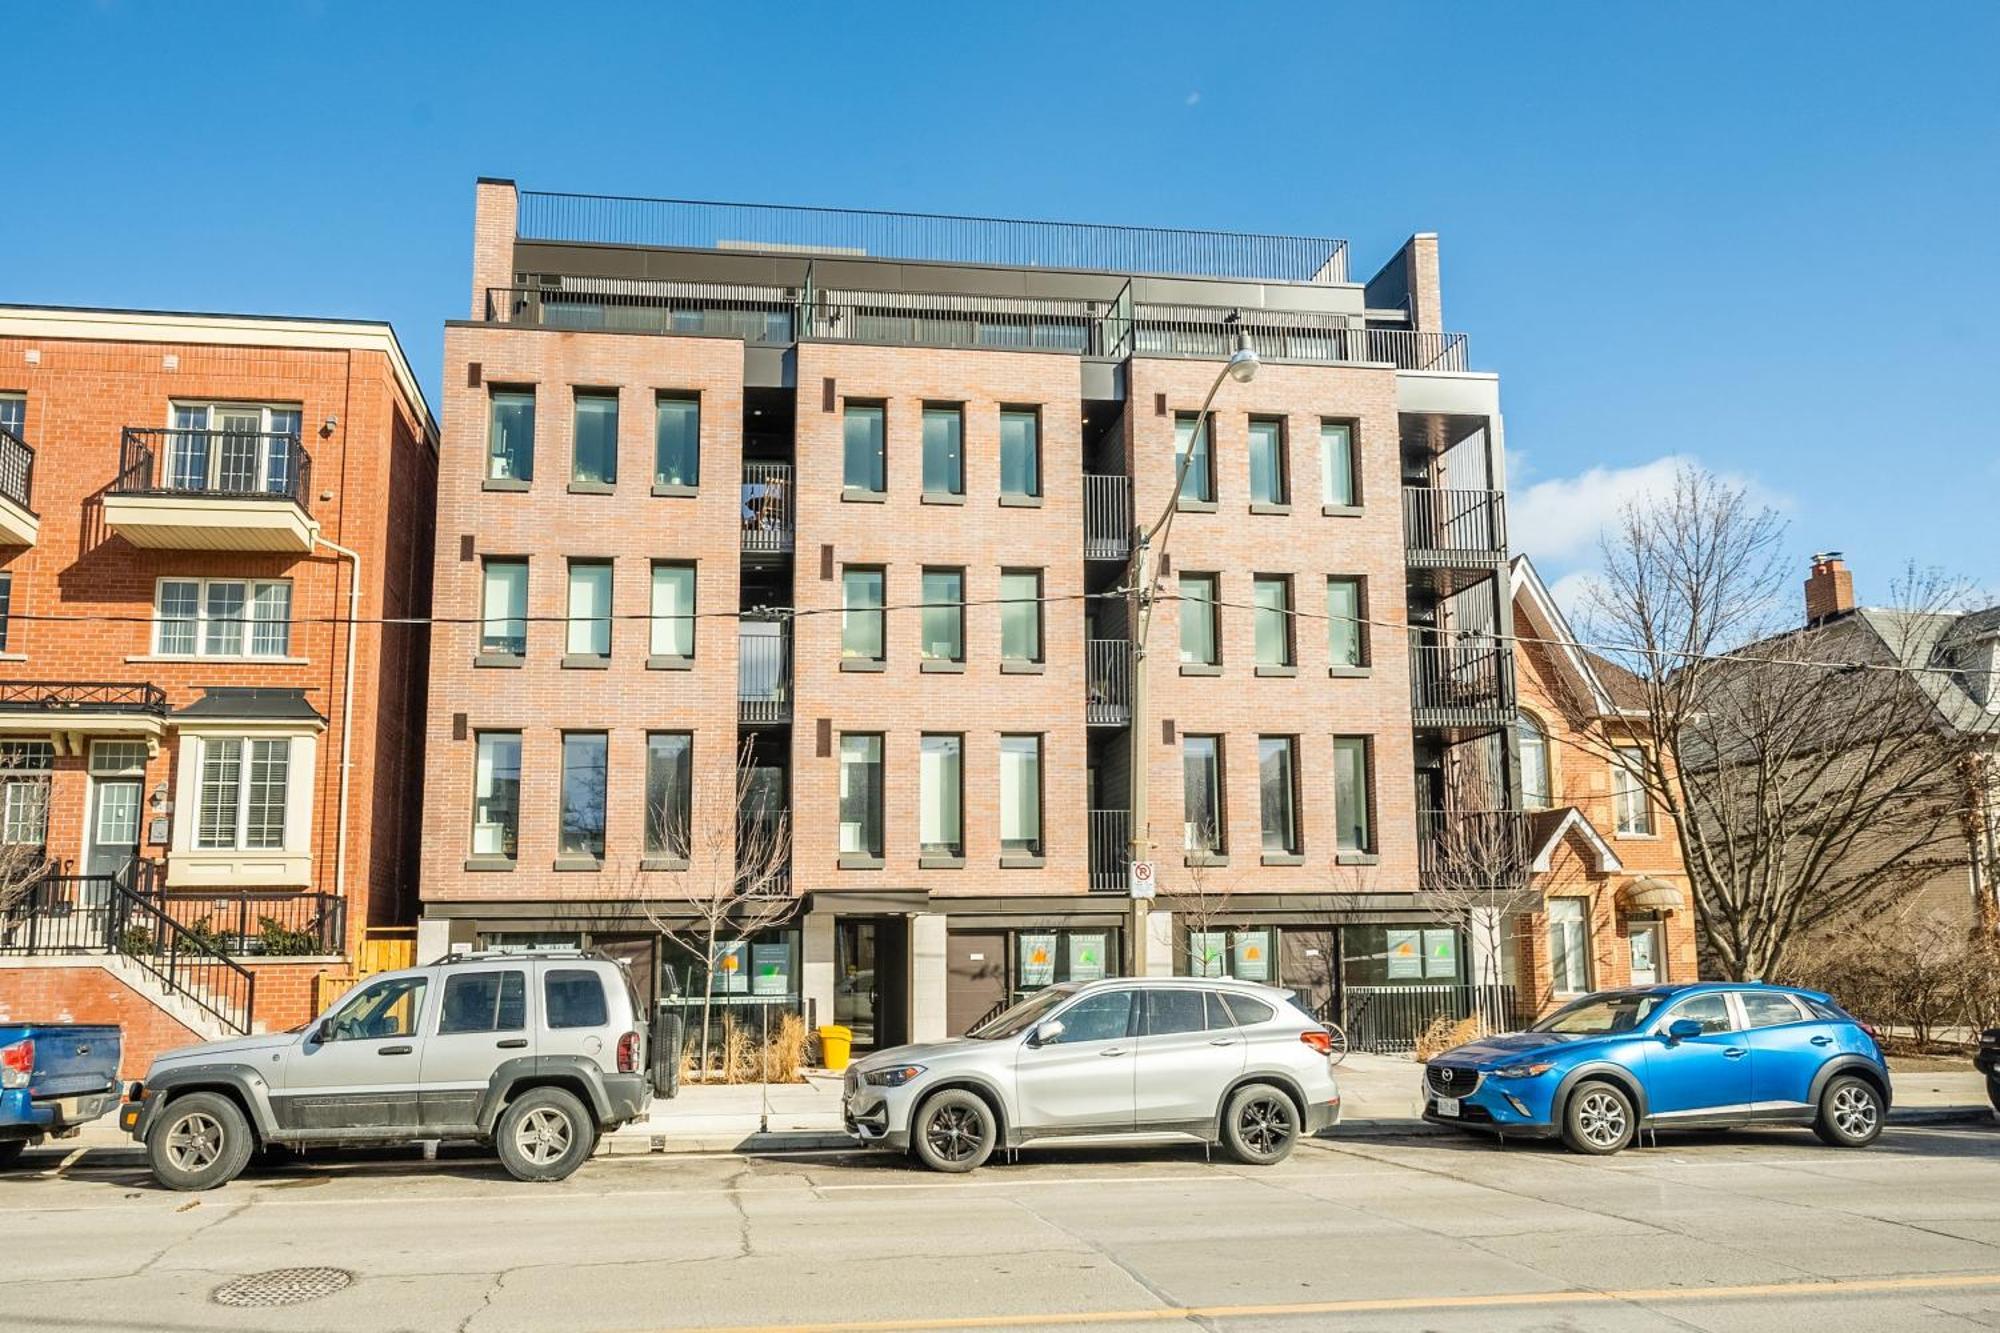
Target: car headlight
[
  {"x": 1524, "y": 1071},
  {"x": 892, "y": 1078}
]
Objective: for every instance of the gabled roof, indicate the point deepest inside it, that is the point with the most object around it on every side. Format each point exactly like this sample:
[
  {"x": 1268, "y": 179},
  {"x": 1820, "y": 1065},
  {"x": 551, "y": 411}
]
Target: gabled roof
[
  {"x": 1611, "y": 688},
  {"x": 1932, "y": 639},
  {"x": 1546, "y": 830}
]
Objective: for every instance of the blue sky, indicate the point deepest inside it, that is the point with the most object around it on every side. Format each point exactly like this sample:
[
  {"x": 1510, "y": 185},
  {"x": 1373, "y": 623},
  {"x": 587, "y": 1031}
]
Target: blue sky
[{"x": 1759, "y": 236}]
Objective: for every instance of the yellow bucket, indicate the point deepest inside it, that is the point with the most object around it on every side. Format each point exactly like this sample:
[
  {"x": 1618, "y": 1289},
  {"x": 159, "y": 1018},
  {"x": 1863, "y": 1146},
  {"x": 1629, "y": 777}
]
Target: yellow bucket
[{"x": 836, "y": 1043}]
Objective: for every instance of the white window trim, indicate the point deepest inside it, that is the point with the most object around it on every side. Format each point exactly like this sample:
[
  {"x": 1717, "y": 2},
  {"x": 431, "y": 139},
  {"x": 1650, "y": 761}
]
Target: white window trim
[
  {"x": 235, "y": 867},
  {"x": 1635, "y": 771},
  {"x": 1587, "y": 944},
  {"x": 248, "y": 628},
  {"x": 209, "y": 406}
]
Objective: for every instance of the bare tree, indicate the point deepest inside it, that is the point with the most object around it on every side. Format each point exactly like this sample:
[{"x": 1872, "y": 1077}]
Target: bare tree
[
  {"x": 1200, "y": 901},
  {"x": 1475, "y": 876},
  {"x": 739, "y": 885},
  {"x": 1806, "y": 774},
  {"x": 22, "y": 866}
]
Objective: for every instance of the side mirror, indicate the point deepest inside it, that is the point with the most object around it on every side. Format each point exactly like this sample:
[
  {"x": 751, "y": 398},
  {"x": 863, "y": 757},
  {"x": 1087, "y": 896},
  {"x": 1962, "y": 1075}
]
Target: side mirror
[
  {"x": 1682, "y": 1029},
  {"x": 1047, "y": 1031},
  {"x": 321, "y": 1033}
]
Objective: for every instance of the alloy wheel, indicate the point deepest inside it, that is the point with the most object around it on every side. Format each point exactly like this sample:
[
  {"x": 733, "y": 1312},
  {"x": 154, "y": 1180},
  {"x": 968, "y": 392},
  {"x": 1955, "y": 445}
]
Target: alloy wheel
[
  {"x": 1601, "y": 1119},
  {"x": 194, "y": 1142},
  {"x": 954, "y": 1132},
  {"x": 1265, "y": 1125},
  {"x": 543, "y": 1135},
  {"x": 1854, "y": 1111}
]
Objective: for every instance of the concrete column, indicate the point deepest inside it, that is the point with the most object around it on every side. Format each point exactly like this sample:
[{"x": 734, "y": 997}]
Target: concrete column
[
  {"x": 927, "y": 977},
  {"x": 1160, "y": 943},
  {"x": 816, "y": 966}
]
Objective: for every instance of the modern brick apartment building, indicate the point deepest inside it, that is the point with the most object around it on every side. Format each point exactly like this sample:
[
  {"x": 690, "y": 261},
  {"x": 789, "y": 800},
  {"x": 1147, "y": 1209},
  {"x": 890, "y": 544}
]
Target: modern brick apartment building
[
  {"x": 856, "y": 494},
  {"x": 222, "y": 776}
]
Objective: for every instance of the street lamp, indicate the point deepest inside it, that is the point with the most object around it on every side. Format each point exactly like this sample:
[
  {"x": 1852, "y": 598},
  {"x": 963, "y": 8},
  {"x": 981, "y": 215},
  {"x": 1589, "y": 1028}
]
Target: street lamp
[{"x": 1242, "y": 368}]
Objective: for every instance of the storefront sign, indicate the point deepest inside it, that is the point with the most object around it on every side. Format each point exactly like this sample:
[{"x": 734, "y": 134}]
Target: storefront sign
[
  {"x": 1406, "y": 957},
  {"x": 1086, "y": 957},
  {"x": 732, "y": 969},
  {"x": 1038, "y": 960},
  {"x": 771, "y": 966},
  {"x": 1253, "y": 957},
  {"x": 1440, "y": 955},
  {"x": 1206, "y": 950}
]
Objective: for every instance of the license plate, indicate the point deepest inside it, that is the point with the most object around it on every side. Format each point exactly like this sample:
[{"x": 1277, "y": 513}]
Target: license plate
[{"x": 1447, "y": 1105}]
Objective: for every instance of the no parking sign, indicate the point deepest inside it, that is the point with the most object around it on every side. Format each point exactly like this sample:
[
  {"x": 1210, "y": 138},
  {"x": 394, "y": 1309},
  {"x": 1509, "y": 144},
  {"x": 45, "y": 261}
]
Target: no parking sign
[{"x": 1143, "y": 878}]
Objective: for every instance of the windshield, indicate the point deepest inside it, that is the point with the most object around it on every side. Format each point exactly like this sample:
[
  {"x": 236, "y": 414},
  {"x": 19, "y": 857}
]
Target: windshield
[
  {"x": 1600, "y": 1013},
  {"x": 1026, "y": 1014}
]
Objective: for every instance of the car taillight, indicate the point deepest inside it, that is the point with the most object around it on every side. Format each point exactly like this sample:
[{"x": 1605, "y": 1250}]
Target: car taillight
[
  {"x": 628, "y": 1053},
  {"x": 1869, "y": 1028},
  {"x": 17, "y": 1063},
  {"x": 1319, "y": 1039}
]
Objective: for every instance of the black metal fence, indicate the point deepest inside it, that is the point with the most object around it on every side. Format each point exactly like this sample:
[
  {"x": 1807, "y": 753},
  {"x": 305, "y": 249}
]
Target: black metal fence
[
  {"x": 85, "y": 696},
  {"x": 767, "y": 508},
  {"x": 1107, "y": 516},
  {"x": 223, "y": 464},
  {"x": 1440, "y": 523},
  {"x": 1390, "y": 1019},
  {"x": 1110, "y": 850},
  {"x": 1108, "y": 682},
  {"x": 1460, "y": 681},
  {"x": 764, "y": 672},
  {"x": 17, "y": 469},
  {"x": 273, "y": 923}
]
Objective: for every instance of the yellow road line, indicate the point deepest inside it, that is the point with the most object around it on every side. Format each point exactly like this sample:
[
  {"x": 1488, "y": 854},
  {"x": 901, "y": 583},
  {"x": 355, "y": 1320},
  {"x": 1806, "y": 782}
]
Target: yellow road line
[{"x": 1393, "y": 1304}]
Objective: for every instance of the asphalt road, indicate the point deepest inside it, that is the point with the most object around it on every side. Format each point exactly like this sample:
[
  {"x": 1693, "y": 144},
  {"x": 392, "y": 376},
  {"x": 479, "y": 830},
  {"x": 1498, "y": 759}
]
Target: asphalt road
[{"x": 1744, "y": 1231}]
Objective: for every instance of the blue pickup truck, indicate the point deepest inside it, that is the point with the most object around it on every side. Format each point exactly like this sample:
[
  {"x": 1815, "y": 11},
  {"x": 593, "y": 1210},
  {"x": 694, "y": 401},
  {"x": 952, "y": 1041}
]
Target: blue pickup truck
[{"x": 54, "y": 1079}]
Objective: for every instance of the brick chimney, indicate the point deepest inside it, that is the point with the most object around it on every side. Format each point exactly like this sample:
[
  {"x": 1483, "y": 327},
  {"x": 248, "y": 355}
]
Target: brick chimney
[{"x": 1830, "y": 589}]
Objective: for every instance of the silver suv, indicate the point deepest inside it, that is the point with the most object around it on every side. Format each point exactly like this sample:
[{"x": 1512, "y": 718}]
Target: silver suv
[
  {"x": 1127, "y": 1060},
  {"x": 537, "y": 1054}
]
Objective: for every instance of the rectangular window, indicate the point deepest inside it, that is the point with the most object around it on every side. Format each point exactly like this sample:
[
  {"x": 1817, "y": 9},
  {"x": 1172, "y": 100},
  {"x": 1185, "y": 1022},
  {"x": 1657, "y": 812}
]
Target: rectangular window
[
  {"x": 14, "y": 415},
  {"x": 270, "y": 619},
  {"x": 677, "y": 441},
  {"x": 503, "y": 613},
  {"x": 589, "y": 608},
  {"x": 1569, "y": 946},
  {"x": 944, "y": 451},
  {"x": 1630, "y": 806},
  {"x": 1277, "y": 793},
  {"x": 222, "y": 617},
  {"x": 573, "y": 998},
  {"x": 1351, "y": 794},
  {"x": 510, "y": 436},
  {"x": 1267, "y": 462},
  {"x": 1021, "y": 615},
  {"x": 864, "y": 459},
  {"x": 669, "y": 794},
  {"x": 233, "y": 448},
  {"x": 484, "y": 1002},
  {"x": 1198, "y": 483},
  {"x": 243, "y": 793},
  {"x": 1020, "y": 451},
  {"x": 673, "y": 610},
  {"x": 583, "y": 788},
  {"x": 941, "y": 796},
  {"x": 6, "y": 607},
  {"x": 944, "y": 615},
  {"x": 1202, "y": 827},
  {"x": 861, "y": 590},
  {"x": 594, "y": 452},
  {"x": 1273, "y": 597},
  {"x": 1336, "y": 465},
  {"x": 496, "y": 794},
  {"x": 26, "y": 769},
  {"x": 1020, "y": 795},
  {"x": 861, "y": 794},
  {"x": 1346, "y": 634},
  {"x": 1200, "y": 635}
]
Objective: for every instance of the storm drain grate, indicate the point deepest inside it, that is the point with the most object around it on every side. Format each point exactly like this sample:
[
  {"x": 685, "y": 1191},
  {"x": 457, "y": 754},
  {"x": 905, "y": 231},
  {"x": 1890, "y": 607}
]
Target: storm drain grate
[{"x": 281, "y": 1286}]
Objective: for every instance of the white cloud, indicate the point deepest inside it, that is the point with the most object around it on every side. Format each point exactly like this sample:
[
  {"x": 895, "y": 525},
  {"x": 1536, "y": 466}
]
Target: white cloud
[
  {"x": 1558, "y": 521},
  {"x": 1572, "y": 591}
]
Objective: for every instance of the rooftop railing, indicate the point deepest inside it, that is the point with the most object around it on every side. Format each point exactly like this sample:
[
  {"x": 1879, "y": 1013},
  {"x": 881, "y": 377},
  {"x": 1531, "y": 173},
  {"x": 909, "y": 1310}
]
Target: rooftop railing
[
  {"x": 17, "y": 469},
  {"x": 71, "y": 696},
  {"x": 941, "y": 238}
]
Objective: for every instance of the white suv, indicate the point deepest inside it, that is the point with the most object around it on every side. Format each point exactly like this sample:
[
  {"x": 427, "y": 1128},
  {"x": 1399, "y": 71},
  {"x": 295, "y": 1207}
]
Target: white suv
[
  {"x": 1127, "y": 1060},
  {"x": 537, "y": 1054}
]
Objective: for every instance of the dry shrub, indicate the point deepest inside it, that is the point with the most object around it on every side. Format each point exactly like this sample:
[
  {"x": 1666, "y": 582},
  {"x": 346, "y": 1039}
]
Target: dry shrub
[
  {"x": 1445, "y": 1032},
  {"x": 741, "y": 1057},
  {"x": 1917, "y": 974}
]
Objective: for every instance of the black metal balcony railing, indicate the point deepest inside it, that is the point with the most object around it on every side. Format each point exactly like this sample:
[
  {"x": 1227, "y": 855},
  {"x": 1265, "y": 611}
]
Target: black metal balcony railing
[
  {"x": 1108, "y": 683},
  {"x": 1460, "y": 681},
  {"x": 1107, "y": 517},
  {"x": 761, "y": 316},
  {"x": 1448, "y": 527},
  {"x": 17, "y": 469},
  {"x": 218, "y": 464},
  {"x": 268, "y": 922},
  {"x": 764, "y": 672},
  {"x": 1417, "y": 349},
  {"x": 698, "y": 224},
  {"x": 1110, "y": 850},
  {"x": 767, "y": 508},
  {"x": 72, "y": 696},
  {"x": 1472, "y": 849}
]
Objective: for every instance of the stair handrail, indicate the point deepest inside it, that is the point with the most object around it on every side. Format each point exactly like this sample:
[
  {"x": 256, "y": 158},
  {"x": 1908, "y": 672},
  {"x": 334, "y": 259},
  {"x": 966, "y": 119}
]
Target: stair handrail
[{"x": 180, "y": 959}]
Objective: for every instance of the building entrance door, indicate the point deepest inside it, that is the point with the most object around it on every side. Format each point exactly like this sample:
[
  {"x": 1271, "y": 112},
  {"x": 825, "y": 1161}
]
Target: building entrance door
[
  {"x": 1645, "y": 936},
  {"x": 871, "y": 980}
]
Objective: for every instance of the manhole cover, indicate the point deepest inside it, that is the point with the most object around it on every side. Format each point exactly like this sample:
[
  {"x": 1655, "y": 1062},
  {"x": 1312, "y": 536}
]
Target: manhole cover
[{"x": 281, "y": 1286}]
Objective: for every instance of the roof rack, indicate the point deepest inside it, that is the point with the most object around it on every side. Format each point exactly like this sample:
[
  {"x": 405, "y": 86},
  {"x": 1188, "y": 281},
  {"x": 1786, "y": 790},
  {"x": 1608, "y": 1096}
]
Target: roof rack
[{"x": 495, "y": 955}]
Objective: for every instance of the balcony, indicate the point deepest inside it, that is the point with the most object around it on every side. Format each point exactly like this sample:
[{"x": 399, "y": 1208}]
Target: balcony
[
  {"x": 1108, "y": 683},
  {"x": 764, "y": 672},
  {"x": 1446, "y": 529},
  {"x": 69, "y": 712},
  {"x": 1107, "y": 517},
  {"x": 1110, "y": 850},
  {"x": 18, "y": 524},
  {"x": 246, "y": 922},
  {"x": 212, "y": 490},
  {"x": 1462, "y": 683},
  {"x": 767, "y": 508},
  {"x": 1472, "y": 851}
]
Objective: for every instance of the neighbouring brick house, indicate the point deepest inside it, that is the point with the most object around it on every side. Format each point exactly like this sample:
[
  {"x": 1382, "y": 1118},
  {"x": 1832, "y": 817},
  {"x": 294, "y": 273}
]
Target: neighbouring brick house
[
  {"x": 1615, "y": 904},
  {"x": 858, "y": 492},
  {"x": 185, "y": 503}
]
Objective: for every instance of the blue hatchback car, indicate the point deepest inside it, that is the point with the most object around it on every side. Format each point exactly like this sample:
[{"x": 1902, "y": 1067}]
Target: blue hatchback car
[{"x": 1600, "y": 1070}]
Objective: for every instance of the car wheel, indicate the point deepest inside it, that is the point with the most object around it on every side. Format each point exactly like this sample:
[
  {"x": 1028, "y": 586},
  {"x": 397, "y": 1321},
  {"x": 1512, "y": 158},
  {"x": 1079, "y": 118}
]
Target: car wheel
[
  {"x": 1260, "y": 1126},
  {"x": 200, "y": 1141},
  {"x": 10, "y": 1151},
  {"x": 1599, "y": 1120},
  {"x": 544, "y": 1134},
  {"x": 1850, "y": 1112},
  {"x": 953, "y": 1131}
]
